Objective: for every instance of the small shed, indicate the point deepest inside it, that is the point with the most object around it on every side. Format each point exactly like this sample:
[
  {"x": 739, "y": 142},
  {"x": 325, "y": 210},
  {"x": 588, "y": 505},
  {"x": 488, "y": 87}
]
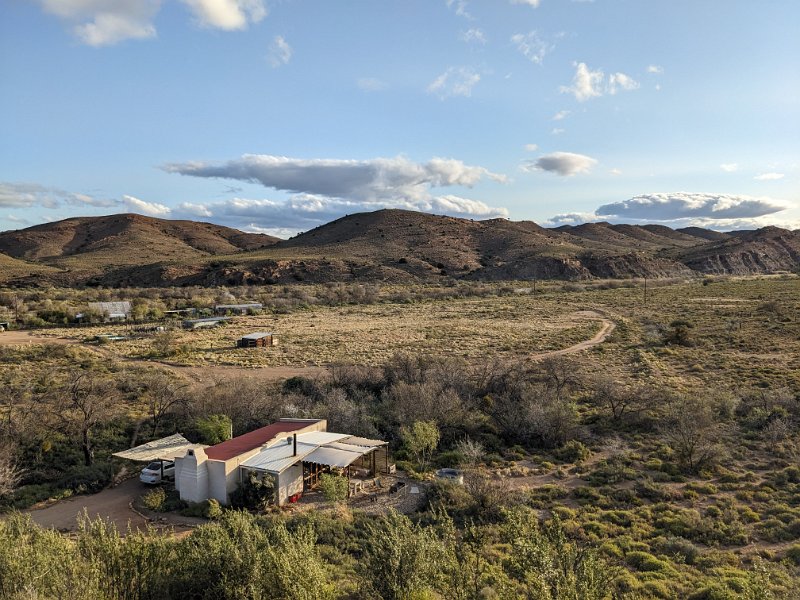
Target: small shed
[
  {"x": 259, "y": 339},
  {"x": 241, "y": 309}
]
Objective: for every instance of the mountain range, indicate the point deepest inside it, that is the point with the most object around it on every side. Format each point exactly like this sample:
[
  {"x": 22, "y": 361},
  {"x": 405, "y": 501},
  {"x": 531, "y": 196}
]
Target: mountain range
[{"x": 386, "y": 245}]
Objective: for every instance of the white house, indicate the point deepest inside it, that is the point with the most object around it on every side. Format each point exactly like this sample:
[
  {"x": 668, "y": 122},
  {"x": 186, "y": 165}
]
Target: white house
[{"x": 294, "y": 451}]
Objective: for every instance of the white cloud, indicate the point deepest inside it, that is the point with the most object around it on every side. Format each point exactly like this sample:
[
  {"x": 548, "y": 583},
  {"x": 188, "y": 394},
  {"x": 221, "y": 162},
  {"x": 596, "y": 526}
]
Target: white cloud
[
  {"x": 371, "y": 84},
  {"x": 373, "y": 180},
  {"x": 620, "y": 81},
  {"x": 473, "y": 35},
  {"x": 152, "y": 209},
  {"x": 532, "y": 46},
  {"x": 531, "y": 147},
  {"x": 194, "y": 210},
  {"x": 460, "y": 8},
  {"x": 769, "y": 176},
  {"x": 615, "y": 172},
  {"x": 280, "y": 52},
  {"x": 565, "y": 164},
  {"x": 26, "y": 195},
  {"x": 557, "y": 131},
  {"x": 655, "y": 69},
  {"x": 229, "y": 15},
  {"x": 106, "y": 22},
  {"x": 684, "y": 205},
  {"x": 574, "y": 218},
  {"x": 456, "y": 81},
  {"x": 561, "y": 115},
  {"x": 588, "y": 84},
  {"x": 729, "y": 167},
  {"x": 301, "y": 212},
  {"x": 533, "y": 3}
]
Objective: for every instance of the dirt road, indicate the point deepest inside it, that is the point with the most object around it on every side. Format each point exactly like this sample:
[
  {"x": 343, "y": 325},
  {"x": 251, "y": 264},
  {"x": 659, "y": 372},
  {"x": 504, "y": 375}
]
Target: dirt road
[
  {"x": 112, "y": 503},
  {"x": 600, "y": 337}
]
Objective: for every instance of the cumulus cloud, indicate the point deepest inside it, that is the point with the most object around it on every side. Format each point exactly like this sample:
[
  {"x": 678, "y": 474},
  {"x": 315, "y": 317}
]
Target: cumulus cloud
[
  {"x": 360, "y": 180},
  {"x": 326, "y": 189},
  {"x": 561, "y": 115},
  {"x": 107, "y": 22},
  {"x": 533, "y": 3},
  {"x": 565, "y": 164},
  {"x": 456, "y": 81},
  {"x": 620, "y": 81},
  {"x": 473, "y": 36},
  {"x": 729, "y": 167},
  {"x": 587, "y": 83},
  {"x": 280, "y": 52},
  {"x": 684, "y": 205},
  {"x": 229, "y": 15},
  {"x": 655, "y": 69},
  {"x": 152, "y": 209},
  {"x": 531, "y": 147},
  {"x": 27, "y": 195},
  {"x": 301, "y": 212},
  {"x": 769, "y": 176},
  {"x": 532, "y": 46}
]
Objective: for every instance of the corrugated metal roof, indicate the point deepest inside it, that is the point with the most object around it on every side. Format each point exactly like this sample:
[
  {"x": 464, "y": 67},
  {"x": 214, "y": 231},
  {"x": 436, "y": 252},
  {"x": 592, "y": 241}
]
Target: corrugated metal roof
[
  {"x": 321, "y": 447},
  {"x": 279, "y": 456},
  {"x": 321, "y": 437},
  {"x": 112, "y": 308},
  {"x": 235, "y": 306},
  {"x": 256, "y": 336},
  {"x": 166, "y": 448},
  {"x": 334, "y": 457}
]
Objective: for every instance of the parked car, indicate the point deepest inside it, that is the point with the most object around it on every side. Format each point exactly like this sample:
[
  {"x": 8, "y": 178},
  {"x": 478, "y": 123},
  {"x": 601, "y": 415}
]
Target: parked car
[
  {"x": 453, "y": 475},
  {"x": 158, "y": 471}
]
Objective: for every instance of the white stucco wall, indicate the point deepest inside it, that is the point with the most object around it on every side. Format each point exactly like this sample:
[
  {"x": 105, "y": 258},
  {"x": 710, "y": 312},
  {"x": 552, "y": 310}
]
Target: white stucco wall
[
  {"x": 192, "y": 480},
  {"x": 290, "y": 482}
]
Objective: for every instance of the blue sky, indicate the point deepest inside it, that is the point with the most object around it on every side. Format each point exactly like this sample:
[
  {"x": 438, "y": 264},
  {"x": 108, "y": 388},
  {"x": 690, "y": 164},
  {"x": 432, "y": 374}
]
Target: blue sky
[{"x": 279, "y": 115}]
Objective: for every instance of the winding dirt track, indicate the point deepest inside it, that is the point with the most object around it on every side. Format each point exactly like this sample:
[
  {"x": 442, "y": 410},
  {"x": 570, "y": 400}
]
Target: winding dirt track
[{"x": 598, "y": 338}]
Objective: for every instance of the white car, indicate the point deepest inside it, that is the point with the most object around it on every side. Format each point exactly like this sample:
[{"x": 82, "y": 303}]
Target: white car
[{"x": 158, "y": 471}]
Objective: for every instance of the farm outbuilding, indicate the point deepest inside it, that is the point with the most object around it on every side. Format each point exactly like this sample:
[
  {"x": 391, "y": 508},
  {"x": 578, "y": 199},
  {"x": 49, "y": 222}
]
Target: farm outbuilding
[
  {"x": 111, "y": 311},
  {"x": 257, "y": 340},
  {"x": 294, "y": 452},
  {"x": 241, "y": 309}
]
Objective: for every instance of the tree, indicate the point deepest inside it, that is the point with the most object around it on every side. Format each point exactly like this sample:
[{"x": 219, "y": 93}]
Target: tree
[
  {"x": 10, "y": 473},
  {"x": 214, "y": 428},
  {"x": 421, "y": 439},
  {"x": 82, "y": 403},
  {"x": 692, "y": 431},
  {"x": 678, "y": 333},
  {"x": 163, "y": 394}
]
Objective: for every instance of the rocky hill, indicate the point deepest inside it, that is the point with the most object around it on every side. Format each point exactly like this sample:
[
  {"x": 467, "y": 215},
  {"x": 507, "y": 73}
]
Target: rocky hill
[{"x": 386, "y": 245}]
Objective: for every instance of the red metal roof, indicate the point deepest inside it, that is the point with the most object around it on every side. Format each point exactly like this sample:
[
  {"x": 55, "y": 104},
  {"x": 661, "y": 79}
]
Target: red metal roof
[{"x": 241, "y": 444}]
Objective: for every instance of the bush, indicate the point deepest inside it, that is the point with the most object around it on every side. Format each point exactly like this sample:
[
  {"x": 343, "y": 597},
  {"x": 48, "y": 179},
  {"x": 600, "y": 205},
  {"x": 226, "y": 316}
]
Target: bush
[
  {"x": 643, "y": 561},
  {"x": 154, "y": 499},
  {"x": 88, "y": 480},
  {"x": 793, "y": 554},
  {"x": 572, "y": 451},
  {"x": 335, "y": 488}
]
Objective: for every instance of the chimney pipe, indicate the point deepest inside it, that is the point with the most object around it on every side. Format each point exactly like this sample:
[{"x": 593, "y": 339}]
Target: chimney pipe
[{"x": 294, "y": 440}]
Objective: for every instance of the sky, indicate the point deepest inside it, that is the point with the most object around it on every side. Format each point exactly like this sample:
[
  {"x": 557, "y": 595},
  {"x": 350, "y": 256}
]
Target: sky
[{"x": 276, "y": 116}]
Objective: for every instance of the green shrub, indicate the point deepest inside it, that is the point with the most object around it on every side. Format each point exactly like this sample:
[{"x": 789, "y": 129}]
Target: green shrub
[
  {"x": 793, "y": 554},
  {"x": 154, "y": 499},
  {"x": 644, "y": 561},
  {"x": 572, "y": 451},
  {"x": 335, "y": 488}
]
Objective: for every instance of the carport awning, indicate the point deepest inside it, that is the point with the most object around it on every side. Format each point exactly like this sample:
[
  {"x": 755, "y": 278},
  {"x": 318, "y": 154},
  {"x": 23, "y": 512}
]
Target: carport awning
[
  {"x": 336, "y": 455},
  {"x": 167, "y": 448}
]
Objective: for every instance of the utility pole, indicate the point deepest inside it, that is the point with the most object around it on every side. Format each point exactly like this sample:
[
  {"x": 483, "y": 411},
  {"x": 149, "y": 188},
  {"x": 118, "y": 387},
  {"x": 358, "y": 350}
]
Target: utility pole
[{"x": 645, "y": 289}]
